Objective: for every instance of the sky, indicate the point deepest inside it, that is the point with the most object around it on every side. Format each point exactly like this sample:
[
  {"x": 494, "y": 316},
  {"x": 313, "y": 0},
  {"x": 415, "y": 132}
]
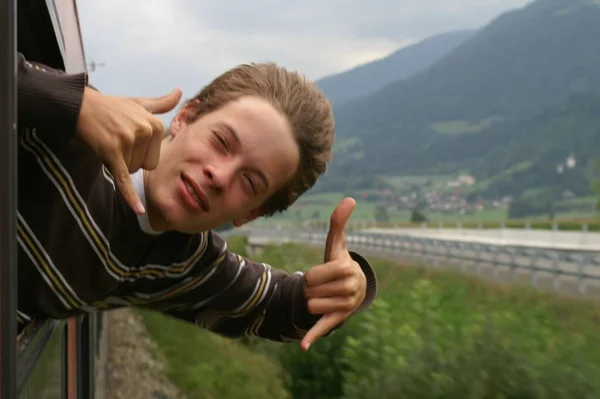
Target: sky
[{"x": 150, "y": 47}]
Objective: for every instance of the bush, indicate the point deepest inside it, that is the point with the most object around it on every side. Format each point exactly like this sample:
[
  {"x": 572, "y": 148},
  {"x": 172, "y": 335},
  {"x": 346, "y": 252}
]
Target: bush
[
  {"x": 205, "y": 365},
  {"x": 432, "y": 341},
  {"x": 318, "y": 373},
  {"x": 422, "y": 351},
  {"x": 428, "y": 335}
]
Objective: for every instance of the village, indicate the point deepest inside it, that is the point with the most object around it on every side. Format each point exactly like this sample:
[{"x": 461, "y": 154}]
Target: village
[{"x": 449, "y": 197}]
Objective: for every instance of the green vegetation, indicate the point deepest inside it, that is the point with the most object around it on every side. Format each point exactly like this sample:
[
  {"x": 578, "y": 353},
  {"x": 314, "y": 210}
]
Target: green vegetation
[
  {"x": 410, "y": 180},
  {"x": 510, "y": 157},
  {"x": 482, "y": 185},
  {"x": 578, "y": 201},
  {"x": 463, "y": 127},
  {"x": 486, "y": 112},
  {"x": 350, "y": 183},
  {"x": 430, "y": 334},
  {"x": 319, "y": 199},
  {"x": 455, "y": 341},
  {"x": 401, "y": 183},
  {"x": 204, "y": 365},
  {"x": 318, "y": 207},
  {"x": 596, "y": 185}
]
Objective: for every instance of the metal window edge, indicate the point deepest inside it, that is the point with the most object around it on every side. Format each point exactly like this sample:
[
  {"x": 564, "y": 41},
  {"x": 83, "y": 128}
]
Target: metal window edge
[{"x": 60, "y": 39}]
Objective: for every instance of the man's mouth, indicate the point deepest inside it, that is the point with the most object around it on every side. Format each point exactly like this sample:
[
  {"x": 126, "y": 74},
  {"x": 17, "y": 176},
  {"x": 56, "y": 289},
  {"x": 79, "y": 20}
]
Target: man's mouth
[{"x": 195, "y": 192}]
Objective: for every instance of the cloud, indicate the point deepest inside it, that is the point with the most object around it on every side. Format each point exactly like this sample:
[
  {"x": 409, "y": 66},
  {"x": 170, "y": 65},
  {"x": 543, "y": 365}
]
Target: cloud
[
  {"x": 151, "y": 46},
  {"x": 210, "y": 41}
]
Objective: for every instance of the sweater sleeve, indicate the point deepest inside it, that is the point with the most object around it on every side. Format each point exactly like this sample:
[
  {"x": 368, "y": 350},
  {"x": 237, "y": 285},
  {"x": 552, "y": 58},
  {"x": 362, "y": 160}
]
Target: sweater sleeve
[
  {"x": 48, "y": 98},
  {"x": 255, "y": 299}
]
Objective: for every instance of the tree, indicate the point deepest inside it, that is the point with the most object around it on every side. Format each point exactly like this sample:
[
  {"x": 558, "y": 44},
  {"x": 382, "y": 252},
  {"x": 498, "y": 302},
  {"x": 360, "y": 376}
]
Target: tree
[
  {"x": 417, "y": 215},
  {"x": 381, "y": 213},
  {"x": 525, "y": 207},
  {"x": 596, "y": 184}
]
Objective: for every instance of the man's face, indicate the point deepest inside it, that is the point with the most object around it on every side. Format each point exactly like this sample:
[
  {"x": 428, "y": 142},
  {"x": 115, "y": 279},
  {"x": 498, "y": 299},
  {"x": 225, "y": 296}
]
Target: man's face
[{"x": 221, "y": 167}]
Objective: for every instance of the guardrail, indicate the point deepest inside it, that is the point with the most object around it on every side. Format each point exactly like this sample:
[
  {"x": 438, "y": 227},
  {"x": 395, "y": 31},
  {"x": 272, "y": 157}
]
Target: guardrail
[
  {"x": 588, "y": 224},
  {"x": 494, "y": 258},
  {"x": 542, "y": 239}
]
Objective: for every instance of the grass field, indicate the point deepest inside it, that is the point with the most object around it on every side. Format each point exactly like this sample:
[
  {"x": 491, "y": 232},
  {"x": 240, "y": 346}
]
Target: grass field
[
  {"x": 439, "y": 334},
  {"x": 459, "y": 127},
  {"x": 400, "y": 181},
  {"x": 204, "y": 365},
  {"x": 318, "y": 208},
  {"x": 518, "y": 168}
]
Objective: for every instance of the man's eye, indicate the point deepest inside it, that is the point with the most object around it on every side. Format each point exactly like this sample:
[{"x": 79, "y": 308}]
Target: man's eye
[
  {"x": 223, "y": 142},
  {"x": 252, "y": 184}
]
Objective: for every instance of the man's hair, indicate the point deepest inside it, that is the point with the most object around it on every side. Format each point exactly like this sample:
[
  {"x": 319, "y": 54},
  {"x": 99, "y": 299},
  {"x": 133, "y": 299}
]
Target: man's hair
[{"x": 307, "y": 110}]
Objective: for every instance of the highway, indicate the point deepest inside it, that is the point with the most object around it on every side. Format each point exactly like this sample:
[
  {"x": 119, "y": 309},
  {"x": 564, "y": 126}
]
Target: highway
[
  {"x": 568, "y": 262},
  {"x": 565, "y": 240}
]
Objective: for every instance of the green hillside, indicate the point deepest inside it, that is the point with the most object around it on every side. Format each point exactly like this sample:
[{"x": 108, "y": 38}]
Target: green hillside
[
  {"x": 517, "y": 154},
  {"x": 523, "y": 90}
]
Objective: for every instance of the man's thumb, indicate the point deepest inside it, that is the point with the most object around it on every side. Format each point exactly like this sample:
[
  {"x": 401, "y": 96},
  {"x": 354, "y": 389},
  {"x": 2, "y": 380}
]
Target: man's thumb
[
  {"x": 341, "y": 215},
  {"x": 160, "y": 105},
  {"x": 336, "y": 238}
]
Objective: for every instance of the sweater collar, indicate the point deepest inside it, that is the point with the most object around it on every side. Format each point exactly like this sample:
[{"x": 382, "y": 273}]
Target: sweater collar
[{"x": 138, "y": 183}]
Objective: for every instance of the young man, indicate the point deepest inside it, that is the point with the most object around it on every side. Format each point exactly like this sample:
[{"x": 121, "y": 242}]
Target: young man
[{"x": 248, "y": 145}]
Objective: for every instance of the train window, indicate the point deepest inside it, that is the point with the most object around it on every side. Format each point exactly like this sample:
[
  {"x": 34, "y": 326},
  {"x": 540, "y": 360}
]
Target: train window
[
  {"x": 48, "y": 358},
  {"x": 42, "y": 364}
]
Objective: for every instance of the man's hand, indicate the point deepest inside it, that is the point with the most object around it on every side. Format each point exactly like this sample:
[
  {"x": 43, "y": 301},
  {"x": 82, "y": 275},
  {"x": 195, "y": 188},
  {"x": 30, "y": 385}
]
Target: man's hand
[
  {"x": 337, "y": 287},
  {"x": 125, "y": 134}
]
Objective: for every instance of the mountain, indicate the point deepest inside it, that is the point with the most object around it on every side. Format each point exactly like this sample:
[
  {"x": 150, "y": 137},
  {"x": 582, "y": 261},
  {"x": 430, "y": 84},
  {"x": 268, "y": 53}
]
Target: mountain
[
  {"x": 370, "y": 77},
  {"x": 518, "y": 80},
  {"x": 516, "y": 156}
]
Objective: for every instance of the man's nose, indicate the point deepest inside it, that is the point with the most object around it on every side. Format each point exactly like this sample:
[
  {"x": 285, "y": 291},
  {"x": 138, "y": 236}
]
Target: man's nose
[{"x": 219, "y": 176}]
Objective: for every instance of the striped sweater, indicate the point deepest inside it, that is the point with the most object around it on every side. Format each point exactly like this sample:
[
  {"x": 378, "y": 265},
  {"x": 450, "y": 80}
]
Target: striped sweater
[{"x": 82, "y": 249}]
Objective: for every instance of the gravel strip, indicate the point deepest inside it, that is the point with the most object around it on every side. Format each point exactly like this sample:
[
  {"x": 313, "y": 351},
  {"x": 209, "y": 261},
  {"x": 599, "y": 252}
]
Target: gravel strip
[{"x": 133, "y": 369}]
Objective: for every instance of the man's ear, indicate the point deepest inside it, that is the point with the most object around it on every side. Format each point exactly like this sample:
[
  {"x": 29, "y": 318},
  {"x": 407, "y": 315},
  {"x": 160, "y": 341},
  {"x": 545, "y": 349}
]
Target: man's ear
[
  {"x": 252, "y": 215},
  {"x": 179, "y": 122}
]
